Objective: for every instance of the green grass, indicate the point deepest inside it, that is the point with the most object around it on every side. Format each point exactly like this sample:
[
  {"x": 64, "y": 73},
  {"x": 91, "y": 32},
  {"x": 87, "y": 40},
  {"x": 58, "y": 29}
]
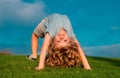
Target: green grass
[{"x": 14, "y": 66}]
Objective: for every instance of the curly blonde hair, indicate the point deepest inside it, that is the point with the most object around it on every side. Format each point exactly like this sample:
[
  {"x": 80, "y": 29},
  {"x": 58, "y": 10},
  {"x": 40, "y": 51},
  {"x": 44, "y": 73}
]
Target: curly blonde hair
[{"x": 67, "y": 56}]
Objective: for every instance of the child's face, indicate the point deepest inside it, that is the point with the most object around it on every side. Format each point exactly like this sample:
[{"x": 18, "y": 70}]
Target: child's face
[{"x": 61, "y": 39}]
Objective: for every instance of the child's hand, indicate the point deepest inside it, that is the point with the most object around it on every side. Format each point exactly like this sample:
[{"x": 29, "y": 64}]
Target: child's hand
[{"x": 39, "y": 68}]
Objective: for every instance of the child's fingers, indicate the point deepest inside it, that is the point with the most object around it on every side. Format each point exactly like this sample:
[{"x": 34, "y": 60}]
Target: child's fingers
[{"x": 38, "y": 68}]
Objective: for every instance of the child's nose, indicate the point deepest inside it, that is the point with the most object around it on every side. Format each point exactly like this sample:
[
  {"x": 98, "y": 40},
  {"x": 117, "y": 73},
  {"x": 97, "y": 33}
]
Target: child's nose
[{"x": 61, "y": 37}]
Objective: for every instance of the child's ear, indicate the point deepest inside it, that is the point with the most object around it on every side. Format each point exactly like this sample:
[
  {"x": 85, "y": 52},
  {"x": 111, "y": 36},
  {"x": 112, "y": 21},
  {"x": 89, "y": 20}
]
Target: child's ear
[{"x": 73, "y": 39}]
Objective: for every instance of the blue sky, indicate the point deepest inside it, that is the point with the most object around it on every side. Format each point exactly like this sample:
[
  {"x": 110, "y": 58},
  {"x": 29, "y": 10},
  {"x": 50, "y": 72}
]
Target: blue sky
[{"x": 96, "y": 23}]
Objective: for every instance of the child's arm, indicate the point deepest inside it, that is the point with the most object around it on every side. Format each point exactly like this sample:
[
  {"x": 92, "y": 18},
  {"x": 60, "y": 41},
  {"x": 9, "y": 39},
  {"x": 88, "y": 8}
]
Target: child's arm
[
  {"x": 44, "y": 49},
  {"x": 83, "y": 57}
]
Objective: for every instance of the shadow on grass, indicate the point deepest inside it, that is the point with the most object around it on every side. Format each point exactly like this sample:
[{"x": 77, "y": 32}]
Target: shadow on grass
[{"x": 113, "y": 61}]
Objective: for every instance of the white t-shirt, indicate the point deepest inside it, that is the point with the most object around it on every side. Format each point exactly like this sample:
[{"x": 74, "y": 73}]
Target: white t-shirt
[{"x": 52, "y": 25}]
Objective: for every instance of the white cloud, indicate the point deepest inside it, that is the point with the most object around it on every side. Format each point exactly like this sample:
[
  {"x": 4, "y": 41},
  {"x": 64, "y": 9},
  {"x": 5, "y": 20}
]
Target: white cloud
[
  {"x": 105, "y": 50},
  {"x": 116, "y": 28},
  {"x": 21, "y": 11}
]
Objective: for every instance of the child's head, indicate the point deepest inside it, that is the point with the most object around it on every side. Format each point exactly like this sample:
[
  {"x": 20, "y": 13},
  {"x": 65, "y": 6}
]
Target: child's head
[
  {"x": 63, "y": 51},
  {"x": 66, "y": 56},
  {"x": 61, "y": 39}
]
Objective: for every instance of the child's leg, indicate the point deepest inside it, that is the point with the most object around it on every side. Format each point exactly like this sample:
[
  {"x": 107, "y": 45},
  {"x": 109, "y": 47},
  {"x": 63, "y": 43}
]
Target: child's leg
[{"x": 34, "y": 45}]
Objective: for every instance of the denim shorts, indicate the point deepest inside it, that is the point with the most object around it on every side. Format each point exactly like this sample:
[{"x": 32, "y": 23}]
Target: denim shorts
[{"x": 39, "y": 30}]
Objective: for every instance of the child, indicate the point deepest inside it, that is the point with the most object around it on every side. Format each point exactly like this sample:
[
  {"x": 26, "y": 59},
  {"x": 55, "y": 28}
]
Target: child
[{"x": 59, "y": 41}]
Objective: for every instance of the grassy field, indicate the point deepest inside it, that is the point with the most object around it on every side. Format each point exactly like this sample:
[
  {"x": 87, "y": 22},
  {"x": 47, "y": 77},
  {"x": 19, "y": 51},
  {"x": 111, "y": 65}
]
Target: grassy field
[{"x": 17, "y": 66}]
